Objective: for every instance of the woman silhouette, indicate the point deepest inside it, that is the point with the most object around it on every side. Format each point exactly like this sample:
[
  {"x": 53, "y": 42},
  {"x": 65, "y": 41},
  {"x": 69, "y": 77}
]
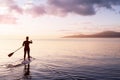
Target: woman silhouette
[{"x": 26, "y": 47}]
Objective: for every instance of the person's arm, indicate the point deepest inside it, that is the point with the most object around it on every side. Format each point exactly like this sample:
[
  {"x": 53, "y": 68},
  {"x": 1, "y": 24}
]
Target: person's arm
[{"x": 31, "y": 41}]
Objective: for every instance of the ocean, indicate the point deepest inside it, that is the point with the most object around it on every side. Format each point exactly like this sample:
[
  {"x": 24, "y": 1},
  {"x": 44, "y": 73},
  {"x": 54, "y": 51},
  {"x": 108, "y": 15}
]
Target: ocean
[{"x": 62, "y": 59}]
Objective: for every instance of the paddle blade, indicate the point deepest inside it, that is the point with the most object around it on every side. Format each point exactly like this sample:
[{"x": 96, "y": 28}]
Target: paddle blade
[{"x": 9, "y": 55}]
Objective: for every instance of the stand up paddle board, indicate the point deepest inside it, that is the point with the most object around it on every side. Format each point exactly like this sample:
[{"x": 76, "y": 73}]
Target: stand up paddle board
[
  {"x": 18, "y": 64},
  {"x": 26, "y": 61}
]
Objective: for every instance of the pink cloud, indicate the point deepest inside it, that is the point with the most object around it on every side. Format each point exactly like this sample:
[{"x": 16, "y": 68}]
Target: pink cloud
[
  {"x": 57, "y": 7},
  {"x": 16, "y": 8},
  {"x": 7, "y": 19},
  {"x": 79, "y": 7},
  {"x": 52, "y": 10},
  {"x": 12, "y": 6},
  {"x": 36, "y": 11}
]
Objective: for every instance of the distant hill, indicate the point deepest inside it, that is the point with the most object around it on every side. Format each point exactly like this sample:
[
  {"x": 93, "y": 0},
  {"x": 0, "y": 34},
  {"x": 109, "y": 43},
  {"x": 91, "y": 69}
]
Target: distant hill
[{"x": 105, "y": 34}]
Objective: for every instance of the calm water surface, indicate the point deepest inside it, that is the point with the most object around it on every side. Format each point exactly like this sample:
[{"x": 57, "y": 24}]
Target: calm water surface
[{"x": 62, "y": 59}]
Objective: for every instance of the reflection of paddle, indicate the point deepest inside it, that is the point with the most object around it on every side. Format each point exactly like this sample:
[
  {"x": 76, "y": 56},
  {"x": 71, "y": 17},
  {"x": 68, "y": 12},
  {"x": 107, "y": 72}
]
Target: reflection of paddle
[{"x": 9, "y": 55}]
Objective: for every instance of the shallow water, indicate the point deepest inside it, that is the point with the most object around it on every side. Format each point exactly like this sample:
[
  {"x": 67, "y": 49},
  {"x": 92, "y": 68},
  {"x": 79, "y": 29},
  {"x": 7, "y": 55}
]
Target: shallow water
[{"x": 63, "y": 59}]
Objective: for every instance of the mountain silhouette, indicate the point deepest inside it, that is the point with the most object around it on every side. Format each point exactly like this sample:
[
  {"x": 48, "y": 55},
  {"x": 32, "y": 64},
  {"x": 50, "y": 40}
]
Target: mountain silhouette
[{"x": 105, "y": 34}]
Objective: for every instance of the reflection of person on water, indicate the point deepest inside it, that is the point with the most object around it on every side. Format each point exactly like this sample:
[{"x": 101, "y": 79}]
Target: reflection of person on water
[
  {"x": 27, "y": 71},
  {"x": 26, "y": 47}
]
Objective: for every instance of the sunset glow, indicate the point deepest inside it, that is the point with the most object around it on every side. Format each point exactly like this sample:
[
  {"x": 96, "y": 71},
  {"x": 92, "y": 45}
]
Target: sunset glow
[
  {"x": 55, "y": 18},
  {"x": 59, "y": 39}
]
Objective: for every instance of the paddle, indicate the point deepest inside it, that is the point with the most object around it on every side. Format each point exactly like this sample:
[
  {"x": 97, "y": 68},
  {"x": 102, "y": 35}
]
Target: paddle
[{"x": 9, "y": 55}]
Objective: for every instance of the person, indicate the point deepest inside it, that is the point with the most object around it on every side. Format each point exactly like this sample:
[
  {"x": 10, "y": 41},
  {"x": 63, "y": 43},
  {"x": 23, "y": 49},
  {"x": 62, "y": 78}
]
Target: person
[{"x": 26, "y": 47}]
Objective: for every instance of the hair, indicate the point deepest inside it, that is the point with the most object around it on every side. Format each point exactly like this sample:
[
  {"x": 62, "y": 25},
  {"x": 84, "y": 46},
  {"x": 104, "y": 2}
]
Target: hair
[{"x": 27, "y": 37}]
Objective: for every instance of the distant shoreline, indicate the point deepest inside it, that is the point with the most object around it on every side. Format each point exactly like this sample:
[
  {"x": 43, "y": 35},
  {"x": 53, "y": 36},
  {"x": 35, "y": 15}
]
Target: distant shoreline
[
  {"x": 105, "y": 34},
  {"x": 88, "y": 37}
]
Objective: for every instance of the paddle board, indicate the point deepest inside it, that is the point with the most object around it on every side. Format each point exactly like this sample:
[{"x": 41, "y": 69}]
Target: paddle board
[
  {"x": 26, "y": 61},
  {"x": 19, "y": 63}
]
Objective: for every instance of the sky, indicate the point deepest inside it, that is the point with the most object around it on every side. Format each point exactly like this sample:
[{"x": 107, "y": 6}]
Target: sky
[{"x": 57, "y": 18}]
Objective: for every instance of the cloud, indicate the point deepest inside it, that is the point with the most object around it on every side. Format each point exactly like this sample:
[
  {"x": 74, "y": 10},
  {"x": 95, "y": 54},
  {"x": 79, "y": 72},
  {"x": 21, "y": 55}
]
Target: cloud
[
  {"x": 81, "y": 7},
  {"x": 16, "y": 8},
  {"x": 62, "y": 7},
  {"x": 12, "y": 6},
  {"x": 55, "y": 7},
  {"x": 36, "y": 10},
  {"x": 71, "y": 6},
  {"x": 7, "y": 19},
  {"x": 8, "y": 9}
]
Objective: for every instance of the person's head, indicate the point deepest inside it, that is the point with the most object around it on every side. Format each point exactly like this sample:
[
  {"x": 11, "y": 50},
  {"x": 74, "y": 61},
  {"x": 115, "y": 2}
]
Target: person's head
[{"x": 27, "y": 38}]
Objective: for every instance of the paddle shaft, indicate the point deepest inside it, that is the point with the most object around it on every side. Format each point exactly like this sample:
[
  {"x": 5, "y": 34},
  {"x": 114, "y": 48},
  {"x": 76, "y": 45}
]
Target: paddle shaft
[{"x": 18, "y": 49}]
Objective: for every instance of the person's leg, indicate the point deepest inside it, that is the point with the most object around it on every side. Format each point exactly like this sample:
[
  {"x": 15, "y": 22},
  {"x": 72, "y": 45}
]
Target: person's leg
[
  {"x": 24, "y": 54},
  {"x": 28, "y": 54}
]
